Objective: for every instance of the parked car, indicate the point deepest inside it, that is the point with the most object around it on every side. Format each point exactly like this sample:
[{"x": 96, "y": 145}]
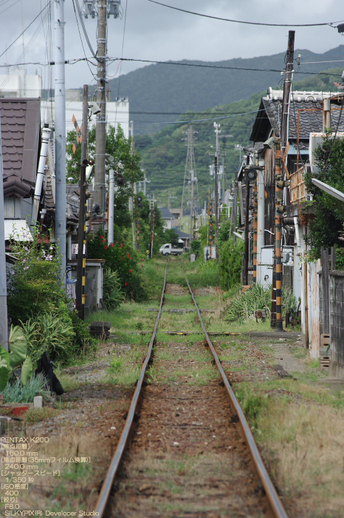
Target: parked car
[{"x": 168, "y": 249}]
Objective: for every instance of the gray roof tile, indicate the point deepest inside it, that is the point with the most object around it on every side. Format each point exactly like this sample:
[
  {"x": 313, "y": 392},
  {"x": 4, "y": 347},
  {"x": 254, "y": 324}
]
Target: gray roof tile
[{"x": 20, "y": 128}]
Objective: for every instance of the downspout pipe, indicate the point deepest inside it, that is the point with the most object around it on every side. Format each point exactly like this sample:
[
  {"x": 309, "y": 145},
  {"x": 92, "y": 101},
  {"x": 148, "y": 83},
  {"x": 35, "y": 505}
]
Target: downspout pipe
[
  {"x": 111, "y": 208},
  {"x": 46, "y": 132}
]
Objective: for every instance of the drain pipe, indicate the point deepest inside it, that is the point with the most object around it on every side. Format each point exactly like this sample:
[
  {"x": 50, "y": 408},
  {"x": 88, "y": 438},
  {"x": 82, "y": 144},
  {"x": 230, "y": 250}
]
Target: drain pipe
[
  {"x": 111, "y": 208},
  {"x": 40, "y": 176}
]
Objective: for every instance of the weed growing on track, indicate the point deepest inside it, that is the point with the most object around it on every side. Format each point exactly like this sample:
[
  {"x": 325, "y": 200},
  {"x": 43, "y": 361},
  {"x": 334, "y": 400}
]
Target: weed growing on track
[{"x": 35, "y": 415}]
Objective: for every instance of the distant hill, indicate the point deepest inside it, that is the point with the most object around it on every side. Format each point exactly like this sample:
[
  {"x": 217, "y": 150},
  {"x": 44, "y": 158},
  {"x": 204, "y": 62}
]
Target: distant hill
[
  {"x": 164, "y": 153},
  {"x": 155, "y": 91}
]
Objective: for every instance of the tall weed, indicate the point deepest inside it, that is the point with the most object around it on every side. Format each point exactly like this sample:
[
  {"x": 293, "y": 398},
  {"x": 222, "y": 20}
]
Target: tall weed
[
  {"x": 50, "y": 333},
  {"x": 207, "y": 274},
  {"x": 246, "y": 304}
]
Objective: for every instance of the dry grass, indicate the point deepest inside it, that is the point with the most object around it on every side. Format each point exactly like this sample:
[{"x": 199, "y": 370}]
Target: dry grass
[
  {"x": 67, "y": 485},
  {"x": 306, "y": 445}
]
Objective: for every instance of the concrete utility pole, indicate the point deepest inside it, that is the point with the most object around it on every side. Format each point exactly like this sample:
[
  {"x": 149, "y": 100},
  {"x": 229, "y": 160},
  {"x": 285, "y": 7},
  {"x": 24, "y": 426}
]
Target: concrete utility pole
[
  {"x": 3, "y": 284},
  {"x": 60, "y": 136},
  {"x": 133, "y": 185},
  {"x": 81, "y": 267},
  {"x": 99, "y": 177},
  {"x": 217, "y": 155}
]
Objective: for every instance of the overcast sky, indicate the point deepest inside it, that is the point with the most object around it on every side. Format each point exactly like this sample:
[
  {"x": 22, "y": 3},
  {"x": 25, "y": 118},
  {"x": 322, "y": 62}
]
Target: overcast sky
[{"x": 148, "y": 31}]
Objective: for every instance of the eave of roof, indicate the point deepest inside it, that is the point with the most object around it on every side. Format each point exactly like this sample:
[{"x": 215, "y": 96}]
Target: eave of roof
[
  {"x": 20, "y": 131},
  {"x": 305, "y": 115}
]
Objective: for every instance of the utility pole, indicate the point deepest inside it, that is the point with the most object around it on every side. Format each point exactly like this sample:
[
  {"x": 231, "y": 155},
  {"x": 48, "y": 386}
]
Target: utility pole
[
  {"x": 106, "y": 8},
  {"x": 60, "y": 137},
  {"x": 99, "y": 180},
  {"x": 81, "y": 266},
  {"x": 151, "y": 240},
  {"x": 132, "y": 198},
  {"x": 217, "y": 154},
  {"x": 224, "y": 139},
  {"x": 190, "y": 186},
  {"x": 3, "y": 283},
  {"x": 281, "y": 159}
]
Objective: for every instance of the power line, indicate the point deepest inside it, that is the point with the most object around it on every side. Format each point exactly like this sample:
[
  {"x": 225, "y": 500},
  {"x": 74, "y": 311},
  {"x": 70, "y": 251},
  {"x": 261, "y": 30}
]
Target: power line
[
  {"x": 26, "y": 28},
  {"x": 83, "y": 28},
  {"x": 220, "y": 67},
  {"x": 331, "y": 24},
  {"x": 9, "y": 7}
]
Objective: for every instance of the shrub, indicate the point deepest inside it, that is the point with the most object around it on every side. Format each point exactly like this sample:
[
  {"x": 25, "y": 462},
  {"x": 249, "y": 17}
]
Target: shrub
[
  {"x": 121, "y": 258},
  {"x": 33, "y": 285},
  {"x": 231, "y": 263},
  {"x": 195, "y": 247}
]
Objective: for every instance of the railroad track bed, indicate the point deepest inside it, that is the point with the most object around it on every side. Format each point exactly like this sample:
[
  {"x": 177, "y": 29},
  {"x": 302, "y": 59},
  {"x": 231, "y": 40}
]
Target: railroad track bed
[
  {"x": 188, "y": 452},
  {"x": 188, "y": 456}
]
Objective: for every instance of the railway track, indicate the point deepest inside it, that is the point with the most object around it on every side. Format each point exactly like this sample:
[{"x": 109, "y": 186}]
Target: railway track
[{"x": 186, "y": 448}]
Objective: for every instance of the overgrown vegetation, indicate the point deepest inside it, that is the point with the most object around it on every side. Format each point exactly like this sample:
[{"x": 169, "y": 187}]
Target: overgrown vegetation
[
  {"x": 122, "y": 259},
  {"x": 326, "y": 227},
  {"x": 38, "y": 303},
  {"x": 244, "y": 305}
]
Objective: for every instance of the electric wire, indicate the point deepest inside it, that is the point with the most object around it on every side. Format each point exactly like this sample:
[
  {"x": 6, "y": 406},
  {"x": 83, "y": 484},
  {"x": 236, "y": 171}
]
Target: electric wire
[
  {"x": 123, "y": 40},
  {"x": 220, "y": 67},
  {"x": 84, "y": 29},
  {"x": 9, "y": 7},
  {"x": 264, "y": 24},
  {"x": 82, "y": 43},
  {"x": 26, "y": 28}
]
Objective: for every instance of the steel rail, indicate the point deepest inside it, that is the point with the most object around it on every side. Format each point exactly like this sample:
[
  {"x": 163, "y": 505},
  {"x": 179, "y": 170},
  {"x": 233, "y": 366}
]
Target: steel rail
[
  {"x": 118, "y": 455},
  {"x": 270, "y": 490}
]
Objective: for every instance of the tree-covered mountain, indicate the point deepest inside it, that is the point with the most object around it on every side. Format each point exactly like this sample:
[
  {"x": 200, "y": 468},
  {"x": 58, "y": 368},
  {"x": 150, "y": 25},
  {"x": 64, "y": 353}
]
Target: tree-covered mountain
[
  {"x": 159, "y": 93},
  {"x": 164, "y": 153}
]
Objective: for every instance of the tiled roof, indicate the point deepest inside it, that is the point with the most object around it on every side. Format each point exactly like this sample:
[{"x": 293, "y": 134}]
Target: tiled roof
[
  {"x": 20, "y": 131},
  {"x": 166, "y": 213},
  {"x": 305, "y": 116}
]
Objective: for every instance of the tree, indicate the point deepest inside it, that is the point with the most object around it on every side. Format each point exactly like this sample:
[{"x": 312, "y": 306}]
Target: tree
[
  {"x": 120, "y": 157},
  {"x": 327, "y": 224}
]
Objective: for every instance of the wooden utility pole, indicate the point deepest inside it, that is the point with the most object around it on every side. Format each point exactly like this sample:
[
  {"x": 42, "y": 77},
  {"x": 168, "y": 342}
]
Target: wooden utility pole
[
  {"x": 281, "y": 159},
  {"x": 99, "y": 177},
  {"x": 81, "y": 266}
]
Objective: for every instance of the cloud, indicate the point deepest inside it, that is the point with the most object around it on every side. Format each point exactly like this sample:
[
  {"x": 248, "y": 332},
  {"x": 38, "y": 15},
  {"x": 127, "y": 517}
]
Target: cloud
[{"x": 153, "y": 32}]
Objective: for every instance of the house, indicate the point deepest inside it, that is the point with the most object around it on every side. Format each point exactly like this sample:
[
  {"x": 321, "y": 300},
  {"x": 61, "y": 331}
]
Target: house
[
  {"x": 21, "y": 85},
  {"x": 183, "y": 239},
  {"x": 21, "y": 136},
  {"x": 167, "y": 217},
  {"x": 309, "y": 114}
]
